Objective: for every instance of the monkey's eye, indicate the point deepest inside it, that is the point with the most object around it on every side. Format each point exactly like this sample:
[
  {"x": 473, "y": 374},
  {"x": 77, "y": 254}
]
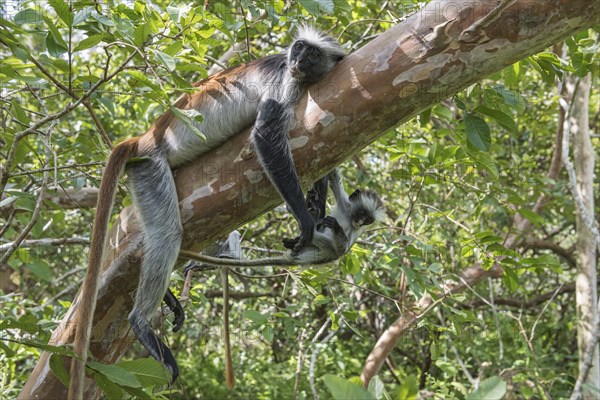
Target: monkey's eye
[
  {"x": 298, "y": 46},
  {"x": 314, "y": 53}
]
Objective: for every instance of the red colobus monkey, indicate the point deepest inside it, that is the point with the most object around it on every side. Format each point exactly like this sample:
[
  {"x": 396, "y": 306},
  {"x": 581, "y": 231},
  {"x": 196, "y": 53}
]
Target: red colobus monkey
[
  {"x": 229, "y": 101},
  {"x": 334, "y": 235}
]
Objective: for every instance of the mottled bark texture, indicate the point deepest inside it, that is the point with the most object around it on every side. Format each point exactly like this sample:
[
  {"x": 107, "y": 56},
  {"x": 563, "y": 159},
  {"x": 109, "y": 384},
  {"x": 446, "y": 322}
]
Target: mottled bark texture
[
  {"x": 440, "y": 50},
  {"x": 578, "y": 92}
]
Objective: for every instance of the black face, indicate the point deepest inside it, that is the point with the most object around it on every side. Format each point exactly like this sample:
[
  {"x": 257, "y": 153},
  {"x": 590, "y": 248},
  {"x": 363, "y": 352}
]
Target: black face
[
  {"x": 362, "y": 217},
  {"x": 307, "y": 63}
]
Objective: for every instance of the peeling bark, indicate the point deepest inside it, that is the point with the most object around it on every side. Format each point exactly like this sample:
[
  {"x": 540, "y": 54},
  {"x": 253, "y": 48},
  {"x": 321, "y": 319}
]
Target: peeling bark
[
  {"x": 586, "y": 279},
  {"x": 440, "y": 50}
]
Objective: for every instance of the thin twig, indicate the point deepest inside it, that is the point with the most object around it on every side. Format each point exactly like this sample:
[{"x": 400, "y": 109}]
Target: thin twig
[
  {"x": 27, "y": 244},
  {"x": 8, "y": 165},
  {"x": 38, "y": 203},
  {"x": 300, "y": 362}
]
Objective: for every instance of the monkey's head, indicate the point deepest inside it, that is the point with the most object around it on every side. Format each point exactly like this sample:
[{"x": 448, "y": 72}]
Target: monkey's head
[
  {"x": 312, "y": 55},
  {"x": 366, "y": 208}
]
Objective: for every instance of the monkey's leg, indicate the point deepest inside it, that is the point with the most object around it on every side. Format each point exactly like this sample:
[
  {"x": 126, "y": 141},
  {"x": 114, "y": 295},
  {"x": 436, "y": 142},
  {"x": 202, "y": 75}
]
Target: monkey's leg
[
  {"x": 340, "y": 238},
  {"x": 316, "y": 199},
  {"x": 154, "y": 194},
  {"x": 175, "y": 306}
]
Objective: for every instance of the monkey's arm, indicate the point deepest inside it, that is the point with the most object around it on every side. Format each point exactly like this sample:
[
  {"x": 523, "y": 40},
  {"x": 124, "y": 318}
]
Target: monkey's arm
[
  {"x": 340, "y": 240},
  {"x": 340, "y": 195},
  {"x": 316, "y": 199},
  {"x": 270, "y": 139}
]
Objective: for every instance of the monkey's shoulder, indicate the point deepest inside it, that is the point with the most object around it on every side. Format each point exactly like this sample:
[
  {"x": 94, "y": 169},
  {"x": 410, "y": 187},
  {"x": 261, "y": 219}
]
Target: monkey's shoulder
[{"x": 273, "y": 64}]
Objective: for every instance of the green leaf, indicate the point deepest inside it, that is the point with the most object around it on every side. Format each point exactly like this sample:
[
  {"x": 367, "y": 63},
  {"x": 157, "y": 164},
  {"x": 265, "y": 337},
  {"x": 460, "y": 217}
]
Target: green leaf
[
  {"x": 424, "y": 117},
  {"x": 41, "y": 269},
  {"x": 409, "y": 389},
  {"x": 447, "y": 366},
  {"x": 148, "y": 371},
  {"x": 19, "y": 112},
  {"x": 104, "y": 20},
  {"x": 26, "y": 202},
  {"x": 57, "y": 365},
  {"x": 166, "y": 59},
  {"x": 315, "y": 7},
  {"x": 512, "y": 73},
  {"x": 110, "y": 389},
  {"x": 54, "y": 48},
  {"x": 511, "y": 98},
  {"x": 173, "y": 48},
  {"x": 28, "y": 16},
  {"x": 141, "y": 33},
  {"x": 342, "y": 389},
  {"x": 502, "y": 118},
  {"x": 140, "y": 78},
  {"x": 55, "y": 32},
  {"x": 478, "y": 132},
  {"x": 268, "y": 333},
  {"x": 531, "y": 216},
  {"x": 62, "y": 10},
  {"x": 256, "y": 317},
  {"x": 486, "y": 162},
  {"x": 493, "y": 388},
  {"x": 115, "y": 374},
  {"x": 82, "y": 15},
  {"x": 46, "y": 347},
  {"x": 376, "y": 387},
  {"x": 88, "y": 42},
  {"x": 189, "y": 118}
]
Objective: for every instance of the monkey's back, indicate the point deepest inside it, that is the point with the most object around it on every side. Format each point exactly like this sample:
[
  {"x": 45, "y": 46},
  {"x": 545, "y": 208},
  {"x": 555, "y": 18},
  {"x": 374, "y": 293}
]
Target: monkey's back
[{"x": 228, "y": 102}]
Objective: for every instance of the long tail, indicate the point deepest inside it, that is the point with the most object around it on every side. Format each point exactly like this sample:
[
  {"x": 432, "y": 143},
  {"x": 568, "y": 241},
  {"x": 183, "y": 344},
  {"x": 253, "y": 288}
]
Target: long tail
[{"x": 89, "y": 292}]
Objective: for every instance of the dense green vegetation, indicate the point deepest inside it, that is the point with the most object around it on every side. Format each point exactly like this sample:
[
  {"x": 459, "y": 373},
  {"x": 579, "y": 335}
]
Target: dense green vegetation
[{"x": 453, "y": 179}]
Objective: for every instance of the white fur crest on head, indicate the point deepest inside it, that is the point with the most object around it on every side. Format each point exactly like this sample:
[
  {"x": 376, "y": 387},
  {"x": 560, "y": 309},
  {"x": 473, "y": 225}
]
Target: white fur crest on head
[
  {"x": 372, "y": 202},
  {"x": 319, "y": 39}
]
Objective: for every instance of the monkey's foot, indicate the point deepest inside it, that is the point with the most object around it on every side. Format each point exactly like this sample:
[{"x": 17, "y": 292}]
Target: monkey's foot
[
  {"x": 290, "y": 243},
  {"x": 179, "y": 317}
]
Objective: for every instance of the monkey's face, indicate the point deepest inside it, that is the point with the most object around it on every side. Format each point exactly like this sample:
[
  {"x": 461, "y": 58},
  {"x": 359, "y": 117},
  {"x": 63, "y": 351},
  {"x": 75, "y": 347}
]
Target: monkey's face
[
  {"x": 367, "y": 208},
  {"x": 361, "y": 217},
  {"x": 308, "y": 63}
]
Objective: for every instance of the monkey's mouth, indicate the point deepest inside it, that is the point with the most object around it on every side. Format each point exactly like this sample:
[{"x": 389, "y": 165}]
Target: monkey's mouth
[{"x": 295, "y": 72}]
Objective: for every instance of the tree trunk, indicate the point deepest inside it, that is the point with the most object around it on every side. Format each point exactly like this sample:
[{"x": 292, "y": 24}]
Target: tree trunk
[
  {"x": 440, "y": 50},
  {"x": 586, "y": 281}
]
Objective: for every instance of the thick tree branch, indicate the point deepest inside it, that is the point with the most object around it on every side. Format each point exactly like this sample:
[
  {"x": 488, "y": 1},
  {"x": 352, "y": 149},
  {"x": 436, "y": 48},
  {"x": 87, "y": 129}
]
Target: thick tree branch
[{"x": 388, "y": 81}]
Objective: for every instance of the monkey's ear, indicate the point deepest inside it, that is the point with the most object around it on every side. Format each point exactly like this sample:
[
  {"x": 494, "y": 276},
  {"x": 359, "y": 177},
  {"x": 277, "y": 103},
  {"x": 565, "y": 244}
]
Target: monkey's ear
[{"x": 355, "y": 194}]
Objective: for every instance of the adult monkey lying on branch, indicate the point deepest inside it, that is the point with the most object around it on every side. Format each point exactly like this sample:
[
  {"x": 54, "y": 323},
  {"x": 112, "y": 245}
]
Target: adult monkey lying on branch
[{"x": 229, "y": 101}]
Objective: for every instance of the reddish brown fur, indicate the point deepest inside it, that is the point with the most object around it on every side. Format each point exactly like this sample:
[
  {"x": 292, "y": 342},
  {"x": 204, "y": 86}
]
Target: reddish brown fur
[{"x": 87, "y": 303}]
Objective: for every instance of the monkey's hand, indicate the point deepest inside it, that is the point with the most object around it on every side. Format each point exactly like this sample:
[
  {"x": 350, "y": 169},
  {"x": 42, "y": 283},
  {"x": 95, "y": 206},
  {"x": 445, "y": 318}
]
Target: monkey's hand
[
  {"x": 306, "y": 237},
  {"x": 178, "y": 319},
  {"x": 190, "y": 266},
  {"x": 290, "y": 243},
  {"x": 331, "y": 223}
]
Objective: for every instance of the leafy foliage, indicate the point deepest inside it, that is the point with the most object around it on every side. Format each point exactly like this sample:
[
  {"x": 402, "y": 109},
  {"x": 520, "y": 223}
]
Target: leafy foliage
[{"x": 453, "y": 180}]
